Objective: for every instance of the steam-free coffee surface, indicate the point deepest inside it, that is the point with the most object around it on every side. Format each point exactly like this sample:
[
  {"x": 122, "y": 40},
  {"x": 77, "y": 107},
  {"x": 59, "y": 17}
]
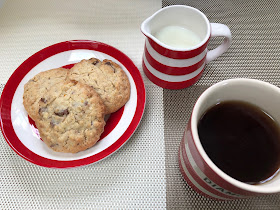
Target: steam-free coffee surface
[{"x": 242, "y": 140}]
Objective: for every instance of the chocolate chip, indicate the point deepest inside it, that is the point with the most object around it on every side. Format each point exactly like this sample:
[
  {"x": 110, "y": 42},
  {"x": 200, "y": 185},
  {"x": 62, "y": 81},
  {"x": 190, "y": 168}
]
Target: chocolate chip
[
  {"x": 62, "y": 112},
  {"x": 74, "y": 82},
  {"x": 110, "y": 64},
  {"x": 42, "y": 109},
  {"x": 53, "y": 145},
  {"x": 43, "y": 100},
  {"x": 86, "y": 103},
  {"x": 52, "y": 124},
  {"x": 95, "y": 62}
]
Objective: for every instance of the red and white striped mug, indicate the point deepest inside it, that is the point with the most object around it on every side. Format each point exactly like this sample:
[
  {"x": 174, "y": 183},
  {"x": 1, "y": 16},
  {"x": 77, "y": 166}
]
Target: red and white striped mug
[
  {"x": 195, "y": 165},
  {"x": 175, "y": 67}
]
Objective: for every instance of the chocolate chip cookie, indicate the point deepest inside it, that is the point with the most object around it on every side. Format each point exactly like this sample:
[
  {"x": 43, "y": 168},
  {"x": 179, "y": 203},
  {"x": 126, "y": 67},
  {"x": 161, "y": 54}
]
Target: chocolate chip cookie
[
  {"x": 70, "y": 117},
  {"x": 107, "y": 78}
]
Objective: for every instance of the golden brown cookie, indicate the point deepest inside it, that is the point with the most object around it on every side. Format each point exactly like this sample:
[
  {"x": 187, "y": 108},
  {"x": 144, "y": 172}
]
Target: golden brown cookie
[
  {"x": 70, "y": 117},
  {"x": 107, "y": 78}
]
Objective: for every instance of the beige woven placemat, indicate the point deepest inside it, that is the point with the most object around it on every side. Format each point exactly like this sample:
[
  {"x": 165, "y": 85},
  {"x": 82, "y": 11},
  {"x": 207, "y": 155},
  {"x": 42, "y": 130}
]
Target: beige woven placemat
[{"x": 254, "y": 53}]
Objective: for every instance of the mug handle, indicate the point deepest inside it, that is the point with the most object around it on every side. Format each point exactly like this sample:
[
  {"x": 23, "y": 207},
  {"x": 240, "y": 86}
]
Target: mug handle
[{"x": 218, "y": 29}]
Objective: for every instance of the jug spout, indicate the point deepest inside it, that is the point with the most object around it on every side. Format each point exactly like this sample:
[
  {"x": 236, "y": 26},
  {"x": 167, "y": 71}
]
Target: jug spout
[
  {"x": 145, "y": 27},
  {"x": 152, "y": 24},
  {"x": 156, "y": 21}
]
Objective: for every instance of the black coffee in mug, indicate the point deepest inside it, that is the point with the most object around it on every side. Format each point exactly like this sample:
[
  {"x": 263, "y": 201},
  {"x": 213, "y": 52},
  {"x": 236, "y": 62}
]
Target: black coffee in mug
[{"x": 242, "y": 140}]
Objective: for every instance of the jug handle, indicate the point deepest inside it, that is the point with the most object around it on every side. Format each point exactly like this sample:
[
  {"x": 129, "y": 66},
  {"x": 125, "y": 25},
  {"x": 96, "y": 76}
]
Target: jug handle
[{"x": 218, "y": 29}]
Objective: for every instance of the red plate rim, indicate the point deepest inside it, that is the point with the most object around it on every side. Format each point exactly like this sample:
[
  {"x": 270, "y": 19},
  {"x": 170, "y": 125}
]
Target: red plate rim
[{"x": 13, "y": 82}]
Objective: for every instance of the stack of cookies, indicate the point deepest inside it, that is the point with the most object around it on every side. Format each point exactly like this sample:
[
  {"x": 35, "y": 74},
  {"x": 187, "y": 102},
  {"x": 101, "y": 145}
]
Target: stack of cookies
[{"x": 69, "y": 106}]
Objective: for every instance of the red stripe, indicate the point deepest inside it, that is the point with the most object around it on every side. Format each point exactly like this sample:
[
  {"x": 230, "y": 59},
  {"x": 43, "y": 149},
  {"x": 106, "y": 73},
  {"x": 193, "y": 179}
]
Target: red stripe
[
  {"x": 170, "y": 85},
  {"x": 170, "y": 69},
  {"x": 201, "y": 182},
  {"x": 209, "y": 172},
  {"x": 177, "y": 54},
  {"x": 190, "y": 183},
  {"x": 27, "y": 65}
]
